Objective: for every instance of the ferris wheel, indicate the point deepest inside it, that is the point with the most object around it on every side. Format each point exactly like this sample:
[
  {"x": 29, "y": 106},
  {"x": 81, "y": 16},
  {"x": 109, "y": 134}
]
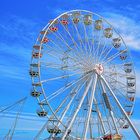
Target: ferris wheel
[{"x": 83, "y": 78}]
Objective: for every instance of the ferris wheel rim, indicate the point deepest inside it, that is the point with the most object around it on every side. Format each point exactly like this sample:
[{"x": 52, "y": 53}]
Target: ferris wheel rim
[{"x": 49, "y": 25}]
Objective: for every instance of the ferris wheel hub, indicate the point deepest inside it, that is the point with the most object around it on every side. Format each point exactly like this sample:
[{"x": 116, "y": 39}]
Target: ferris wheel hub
[{"x": 99, "y": 69}]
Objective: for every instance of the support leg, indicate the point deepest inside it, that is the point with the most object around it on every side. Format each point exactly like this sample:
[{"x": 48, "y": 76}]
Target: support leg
[
  {"x": 121, "y": 108},
  {"x": 90, "y": 107},
  {"x": 109, "y": 107},
  {"x": 77, "y": 110}
]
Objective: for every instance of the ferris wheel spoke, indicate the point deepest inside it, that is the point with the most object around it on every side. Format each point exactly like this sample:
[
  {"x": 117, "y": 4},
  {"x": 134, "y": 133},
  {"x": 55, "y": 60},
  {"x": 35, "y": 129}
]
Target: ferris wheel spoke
[
  {"x": 70, "y": 102},
  {"x": 71, "y": 68},
  {"x": 99, "y": 47},
  {"x": 96, "y": 53},
  {"x": 61, "y": 77},
  {"x": 77, "y": 55},
  {"x": 105, "y": 54},
  {"x": 77, "y": 110},
  {"x": 86, "y": 39},
  {"x": 60, "y": 53},
  {"x": 118, "y": 82},
  {"x": 50, "y": 54},
  {"x": 64, "y": 88},
  {"x": 114, "y": 56},
  {"x": 93, "y": 43},
  {"x": 97, "y": 38},
  {"x": 74, "y": 43},
  {"x": 116, "y": 73},
  {"x": 104, "y": 48},
  {"x": 117, "y": 67},
  {"x": 81, "y": 61},
  {"x": 74, "y": 93},
  {"x": 60, "y": 106},
  {"x": 68, "y": 57},
  {"x": 79, "y": 36},
  {"x": 120, "y": 92},
  {"x": 59, "y": 36},
  {"x": 50, "y": 118},
  {"x": 66, "y": 29},
  {"x": 59, "y": 46},
  {"x": 57, "y": 51}
]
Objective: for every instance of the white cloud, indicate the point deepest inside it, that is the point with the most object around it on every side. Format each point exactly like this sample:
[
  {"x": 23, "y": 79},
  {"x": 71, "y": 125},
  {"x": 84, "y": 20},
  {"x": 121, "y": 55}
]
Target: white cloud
[{"x": 128, "y": 28}]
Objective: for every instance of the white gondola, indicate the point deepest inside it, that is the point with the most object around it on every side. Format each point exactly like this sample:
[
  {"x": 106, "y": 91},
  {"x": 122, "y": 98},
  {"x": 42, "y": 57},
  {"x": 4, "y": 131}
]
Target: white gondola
[
  {"x": 98, "y": 24},
  {"x": 130, "y": 81},
  {"x": 128, "y": 67},
  {"x": 126, "y": 126},
  {"x": 35, "y": 93},
  {"x": 43, "y": 103},
  {"x": 36, "y": 84},
  {"x": 35, "y": 65},
  {"x": 116, "y": 42},
  {"x": 34, "y": 73},
  {"x": 108, "y": 32},
  {"x": 123, "y": 54},
  {"x": 76, "y": 17},
  {"x": 42, "y": 113},
  {"x": 37, "y": 47},
  {"x": 87, "y": 19},
  {"x": 52, "y": 127},
  {"x": 131, "y": 91}
]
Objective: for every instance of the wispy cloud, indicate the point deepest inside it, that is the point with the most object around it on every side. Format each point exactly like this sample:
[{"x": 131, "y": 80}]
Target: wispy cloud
[
  {"x": 128, "y": 28},
  {"x": 17, "y": 39},
  {"x": 18, "y": 30}
]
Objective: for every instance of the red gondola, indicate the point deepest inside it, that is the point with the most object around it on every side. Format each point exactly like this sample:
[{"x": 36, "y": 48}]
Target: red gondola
[
  {"x": 131, "y": 99},
  {"x": 64, "y": 22},
  {"x": 37, "y": 55},
  {"x": 128, "y": 113},
  {"x": 108, "y": 137},
  {"x": 45, "y": 40},
  {"x": 53, "y": 29},
  {"x": 37, "y": 47},
  {"x": 123, "y": 57}
]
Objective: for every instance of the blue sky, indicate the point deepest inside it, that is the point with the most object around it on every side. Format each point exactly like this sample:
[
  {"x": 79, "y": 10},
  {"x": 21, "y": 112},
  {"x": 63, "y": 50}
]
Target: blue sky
[{"x": 20, "y": 23}]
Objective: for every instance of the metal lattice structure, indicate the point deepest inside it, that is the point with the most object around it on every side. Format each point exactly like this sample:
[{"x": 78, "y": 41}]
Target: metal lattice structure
[
  {"x": 83, "y": 78},
  {"x": 6, "y": 110}
]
